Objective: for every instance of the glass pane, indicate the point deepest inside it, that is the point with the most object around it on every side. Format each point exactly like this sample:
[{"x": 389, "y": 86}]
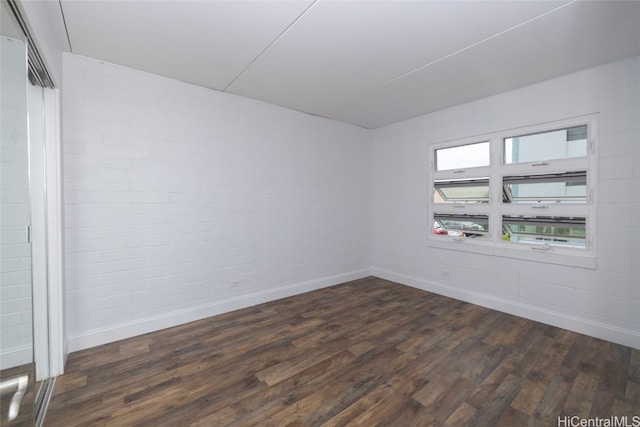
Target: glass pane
[
  {"x": 557, "y": 144},
  {"x": 15, "y": 268},
  {"x": 463, "y": 156},
  {"x": 461, "y": 225},
  {"x": 557, "y": 231},
  {"x": 569, "y": 187},
  {"x": 16, "y": 324},
  {"x": 461, "y": 191}
]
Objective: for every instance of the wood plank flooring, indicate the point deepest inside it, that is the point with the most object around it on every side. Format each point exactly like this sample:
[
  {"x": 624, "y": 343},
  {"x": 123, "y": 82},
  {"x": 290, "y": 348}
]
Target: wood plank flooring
[{"x": 363, "y": 353}]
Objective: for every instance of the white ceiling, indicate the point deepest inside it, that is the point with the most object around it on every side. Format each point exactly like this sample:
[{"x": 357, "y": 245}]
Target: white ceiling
[{"x": 369, "y": 63}]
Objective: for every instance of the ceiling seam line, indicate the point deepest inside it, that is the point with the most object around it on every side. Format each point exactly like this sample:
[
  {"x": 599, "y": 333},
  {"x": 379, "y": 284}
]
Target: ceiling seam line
[
  {"x": 405, "y": 74},
  {"x": 66, "y": 29},
  {"x": 269, "y": 45}
]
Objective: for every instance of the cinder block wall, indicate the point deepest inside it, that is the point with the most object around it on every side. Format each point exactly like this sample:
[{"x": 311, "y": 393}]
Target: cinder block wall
[
  {"x": 603, "y": 301},
  {"x": 183, "y": 202}
]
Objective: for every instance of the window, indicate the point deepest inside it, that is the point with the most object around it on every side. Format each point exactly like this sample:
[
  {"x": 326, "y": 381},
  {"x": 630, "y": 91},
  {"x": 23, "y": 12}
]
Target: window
[
  {"x": 462, "y": 156},
  {"x": 548, "y": 230},
  {"x": 462, "y": 191},
  {"x": 556, "y": 144},
  {"x": 461, "y": 225},
  {"x": 564, "y": 187},
  {"x": 528, "y": 188}
]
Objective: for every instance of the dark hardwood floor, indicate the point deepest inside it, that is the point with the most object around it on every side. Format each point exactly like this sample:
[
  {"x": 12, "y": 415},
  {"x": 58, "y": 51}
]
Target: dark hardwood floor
[{"x": 368, "y": 352}]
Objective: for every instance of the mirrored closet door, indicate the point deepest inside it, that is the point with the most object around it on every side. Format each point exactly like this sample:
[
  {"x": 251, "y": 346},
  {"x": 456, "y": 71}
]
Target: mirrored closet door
[
  {"x": 17, "y": 369},
  {"x": 25, "y": 363}
]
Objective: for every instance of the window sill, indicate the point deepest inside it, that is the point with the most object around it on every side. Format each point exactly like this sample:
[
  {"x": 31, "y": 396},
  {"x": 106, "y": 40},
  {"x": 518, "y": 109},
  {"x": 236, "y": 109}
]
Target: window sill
[{"x": 560, "y": 256}]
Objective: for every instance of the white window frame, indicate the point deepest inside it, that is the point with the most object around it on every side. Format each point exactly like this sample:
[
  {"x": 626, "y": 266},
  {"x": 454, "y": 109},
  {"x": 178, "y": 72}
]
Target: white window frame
[{"x": 493, "y": 243}]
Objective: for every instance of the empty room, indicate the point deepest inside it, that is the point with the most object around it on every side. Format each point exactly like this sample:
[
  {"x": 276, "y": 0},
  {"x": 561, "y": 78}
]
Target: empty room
[{"x": 320, "y": 213}]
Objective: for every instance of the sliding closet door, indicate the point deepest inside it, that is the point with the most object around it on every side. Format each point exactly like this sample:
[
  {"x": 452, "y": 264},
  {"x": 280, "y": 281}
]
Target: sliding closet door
[{"x": 16, "y": 326}]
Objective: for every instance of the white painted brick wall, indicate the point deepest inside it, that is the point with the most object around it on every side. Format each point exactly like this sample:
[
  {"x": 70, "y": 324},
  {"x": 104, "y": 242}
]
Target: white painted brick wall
[
  {"x": 604, "y": 301},
  {"x": 15, "y": 215},
  {"x": 182, "y": 202}
]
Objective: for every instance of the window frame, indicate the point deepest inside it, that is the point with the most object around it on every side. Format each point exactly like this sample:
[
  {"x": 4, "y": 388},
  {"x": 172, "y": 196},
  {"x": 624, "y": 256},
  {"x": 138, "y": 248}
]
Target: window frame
[{"x": 495, "y": 208}]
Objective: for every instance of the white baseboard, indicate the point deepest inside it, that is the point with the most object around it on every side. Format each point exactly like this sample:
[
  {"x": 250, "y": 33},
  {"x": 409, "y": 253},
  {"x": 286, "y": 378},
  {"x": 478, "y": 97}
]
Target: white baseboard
[
  {"x": 10, "y": 358},
  {"x": 589, "y": 327},
  {"x": 174, "y": 318},
  {"x": 627, "y": 337}
]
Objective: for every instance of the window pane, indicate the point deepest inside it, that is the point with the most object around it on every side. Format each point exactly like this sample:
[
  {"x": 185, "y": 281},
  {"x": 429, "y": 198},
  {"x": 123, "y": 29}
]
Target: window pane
[
  {"x": 557, "y": 144},
  {"x": 463, "y": 156},
  {"x": 568, "y": 187},
  {"x": 461, "y": 225},
  {"x": 461, "y": 191},
  {"x": 557, "y": 231}
]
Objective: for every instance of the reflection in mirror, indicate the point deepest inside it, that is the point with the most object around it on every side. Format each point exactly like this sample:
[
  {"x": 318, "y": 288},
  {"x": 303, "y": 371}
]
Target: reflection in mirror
[{"x": 16, "y": 340}]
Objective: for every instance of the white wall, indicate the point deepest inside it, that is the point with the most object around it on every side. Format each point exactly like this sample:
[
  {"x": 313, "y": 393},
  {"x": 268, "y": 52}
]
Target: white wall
[
  {"x": 15, "y": 214},
  {"x": 604, "y": 302},
  {"x": 182, "y": 202}
]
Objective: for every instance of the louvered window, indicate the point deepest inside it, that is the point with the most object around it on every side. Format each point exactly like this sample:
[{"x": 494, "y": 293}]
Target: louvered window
[{"x": 530, "y": 187}]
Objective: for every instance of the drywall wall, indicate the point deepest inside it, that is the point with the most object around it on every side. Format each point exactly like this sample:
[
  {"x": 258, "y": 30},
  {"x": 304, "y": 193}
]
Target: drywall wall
[
  {"x": 183, "y": 202},
  {"x": 605, "y": 301}
]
